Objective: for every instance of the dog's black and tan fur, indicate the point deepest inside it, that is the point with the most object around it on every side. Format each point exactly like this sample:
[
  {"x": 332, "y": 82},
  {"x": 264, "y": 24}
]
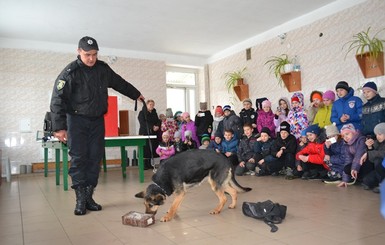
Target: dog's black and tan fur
[{"x": 186, "y": 169}]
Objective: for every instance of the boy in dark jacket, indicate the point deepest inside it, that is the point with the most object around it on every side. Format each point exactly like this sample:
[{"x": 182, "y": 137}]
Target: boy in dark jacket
[
  {"x": 262, "y": 151},
  {"x": 373, "y": 158},
  {"x": 334, "y": 156},
  {"x": 245, "y": 152},
  {"x": 284, "y": 149},
  {"x": 373, "y": 111},
  {"x": 248, "y": 114}
]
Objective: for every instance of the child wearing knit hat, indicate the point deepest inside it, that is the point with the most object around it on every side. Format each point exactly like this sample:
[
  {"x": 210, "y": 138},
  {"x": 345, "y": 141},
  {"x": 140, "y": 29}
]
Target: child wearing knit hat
[
  {"x": 165, "y": 148},
  {"x": 189, "y": 125},
  {"x": 334, "y": 154},
  {"x": 297, "y": 117},
  {"x": 354, "y": 149},
  {"x": 263, "y": 156},
  {"x": 348, "y": 108},
  {"x": 178, "y": 143},
  {"x": 266, "y": 118},
  {"x": 323, "y": 116},
  {"x": 315, "y": 104},
  {"x": 218, "y": 117},
  {"x": 373, "y": 159},
  {"x": 373, "y": 111},
  {"x": 312, "y": 156},
  {"x": 284, "y": 149},
  {"x": 188, "y": 141},
  {"x": 248, "y": 114},
  {"x": 205, "y": 141}
]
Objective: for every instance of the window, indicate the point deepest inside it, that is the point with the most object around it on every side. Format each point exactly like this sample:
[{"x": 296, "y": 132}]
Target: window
[{"x": 181, "y": 94}]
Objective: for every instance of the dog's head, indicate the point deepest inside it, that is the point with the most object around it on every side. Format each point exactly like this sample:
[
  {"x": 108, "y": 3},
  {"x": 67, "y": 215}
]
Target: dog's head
[{"x": 153, "y": 198}]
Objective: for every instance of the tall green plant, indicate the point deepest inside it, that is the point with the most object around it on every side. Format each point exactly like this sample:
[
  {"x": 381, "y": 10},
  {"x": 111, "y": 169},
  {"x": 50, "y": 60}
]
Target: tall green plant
[
  {"x": 276, "y": 64},
  {"x": 362, "y": 42}
]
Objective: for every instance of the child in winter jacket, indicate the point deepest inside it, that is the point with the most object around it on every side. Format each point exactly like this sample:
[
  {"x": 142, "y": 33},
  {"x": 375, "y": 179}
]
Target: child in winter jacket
[
  {"x": 262, "y": 153},
  {"x": 322, "y": 118},
  {"x": 216, "y": 144},
  {"x": 246, "y": 152},
  {"x": 372, "y": 159},
  {"x": 315, "y": 104},
  {"x": 203, "y": 121},
  {"x": 334, "y": 156},
  {"x": 230, "y": 146},
  {"x": 165, "y": 149},
  {"x": 248, "y": 114},
  {"x": 178, "y": 143},
  {"x": 354, "y": 149},
  {"x": 373, "y": 111},
  {"x": 312, "y": 156},
  {"x": 188, "y": 142},
  {"x": 266, "y": 118},
  {"x": 348, "y": 108},
  {"x": 189, "y": 125},
  {"x": 297, "y": 117},
  {"x": 281, "y": 113},
  {"x": 218, "y": 117},
  {"x": 284, "y": 149}
]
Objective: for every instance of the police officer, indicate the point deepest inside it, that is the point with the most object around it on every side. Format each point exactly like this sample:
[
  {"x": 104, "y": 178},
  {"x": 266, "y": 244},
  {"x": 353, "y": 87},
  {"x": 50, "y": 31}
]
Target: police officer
[{"x": 78, "y": 105}]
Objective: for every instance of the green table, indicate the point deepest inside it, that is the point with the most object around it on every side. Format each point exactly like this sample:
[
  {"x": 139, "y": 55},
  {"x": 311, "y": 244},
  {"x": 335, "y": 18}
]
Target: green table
[{"x": 121, "y": 141}]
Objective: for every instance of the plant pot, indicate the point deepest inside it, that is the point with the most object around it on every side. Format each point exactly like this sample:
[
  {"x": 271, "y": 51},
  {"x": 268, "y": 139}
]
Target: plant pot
[
  {"x": 288, "y": 68},
  {"x": 370, "y": 66},
  {"x": 240, "y": 81},
  {"x": 242, "y": 91},
  {"x": 292, "y": 81}
]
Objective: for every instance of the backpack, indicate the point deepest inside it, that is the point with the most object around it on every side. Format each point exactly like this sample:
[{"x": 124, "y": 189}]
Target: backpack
[{"x": 271, "y": 213}]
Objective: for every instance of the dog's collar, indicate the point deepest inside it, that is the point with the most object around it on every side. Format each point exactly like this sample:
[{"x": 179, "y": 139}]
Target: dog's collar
[{"x": 164, "y": 192}]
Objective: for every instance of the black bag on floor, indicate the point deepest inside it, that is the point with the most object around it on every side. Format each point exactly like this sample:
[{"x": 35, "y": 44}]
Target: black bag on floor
[{"x": 271, "y": 213}]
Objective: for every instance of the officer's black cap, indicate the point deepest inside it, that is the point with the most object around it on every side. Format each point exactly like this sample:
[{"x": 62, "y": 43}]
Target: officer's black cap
[{"x": 88, "y": 43}]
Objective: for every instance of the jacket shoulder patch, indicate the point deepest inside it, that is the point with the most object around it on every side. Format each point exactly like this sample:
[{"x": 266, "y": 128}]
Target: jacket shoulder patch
[{"x": 60, "y": 85}]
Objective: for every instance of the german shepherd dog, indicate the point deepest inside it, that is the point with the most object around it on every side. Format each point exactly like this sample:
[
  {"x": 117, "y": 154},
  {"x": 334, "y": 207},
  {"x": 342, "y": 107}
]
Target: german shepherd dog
[{"x": 186, "y": 169}]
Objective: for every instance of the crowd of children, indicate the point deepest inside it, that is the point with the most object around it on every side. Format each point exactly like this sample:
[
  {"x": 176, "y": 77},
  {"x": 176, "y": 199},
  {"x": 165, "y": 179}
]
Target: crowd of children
[{"x": 337, "y": 138}]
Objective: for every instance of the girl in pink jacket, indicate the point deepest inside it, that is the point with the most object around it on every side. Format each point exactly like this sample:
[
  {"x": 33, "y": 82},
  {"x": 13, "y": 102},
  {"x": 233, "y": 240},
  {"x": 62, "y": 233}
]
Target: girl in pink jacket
[
  {"x": 266, "y": 118},
  {"x": 165, "y": 149}
]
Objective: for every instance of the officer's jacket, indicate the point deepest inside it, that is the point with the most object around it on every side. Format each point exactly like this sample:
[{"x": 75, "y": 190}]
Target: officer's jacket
[{"x": 83, "y": 90}]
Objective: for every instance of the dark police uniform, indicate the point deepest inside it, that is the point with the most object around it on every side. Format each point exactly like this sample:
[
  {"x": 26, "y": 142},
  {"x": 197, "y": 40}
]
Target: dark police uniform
[{"x": 78, "y": 105}]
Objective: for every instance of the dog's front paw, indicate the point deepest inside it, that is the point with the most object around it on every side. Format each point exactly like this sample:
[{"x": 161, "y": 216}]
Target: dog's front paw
[
  {"x": 215, "y": 211},
  {"x": 231, "y": 206},
  {"x": 165, "y": 218}
]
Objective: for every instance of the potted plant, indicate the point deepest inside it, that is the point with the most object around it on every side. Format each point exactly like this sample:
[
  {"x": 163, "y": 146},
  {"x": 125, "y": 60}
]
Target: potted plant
[
  {"x": 234, "y": 82},
  {"x": 369, "y": 52},
  {"x": 281, "y": 67}
]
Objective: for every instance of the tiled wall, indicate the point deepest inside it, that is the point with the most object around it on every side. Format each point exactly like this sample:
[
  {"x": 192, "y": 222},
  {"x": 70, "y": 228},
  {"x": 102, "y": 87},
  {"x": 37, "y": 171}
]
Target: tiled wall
[
  {"x": 26, "y": 82},
  {"x": 321, "y": 58}
]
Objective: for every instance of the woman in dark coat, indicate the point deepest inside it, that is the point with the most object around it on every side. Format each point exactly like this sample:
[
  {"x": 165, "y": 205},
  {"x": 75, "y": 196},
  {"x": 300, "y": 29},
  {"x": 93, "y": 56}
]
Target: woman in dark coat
[{"x": 149, "y": 125}]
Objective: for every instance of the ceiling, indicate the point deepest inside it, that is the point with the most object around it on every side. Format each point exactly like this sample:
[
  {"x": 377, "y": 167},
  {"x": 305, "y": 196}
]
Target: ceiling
[{"x": 195, "y": 28}]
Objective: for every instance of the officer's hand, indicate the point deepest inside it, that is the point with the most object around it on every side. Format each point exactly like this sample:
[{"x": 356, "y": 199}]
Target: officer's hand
[
  {"x": 61, "y": 135},
  {"x": 141, "y": 98}
]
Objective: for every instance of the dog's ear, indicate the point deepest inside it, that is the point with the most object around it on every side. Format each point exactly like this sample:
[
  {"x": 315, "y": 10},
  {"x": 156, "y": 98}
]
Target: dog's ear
[
  {"x": 159, "y": 199},
  {"x": 140, "y": 194}
]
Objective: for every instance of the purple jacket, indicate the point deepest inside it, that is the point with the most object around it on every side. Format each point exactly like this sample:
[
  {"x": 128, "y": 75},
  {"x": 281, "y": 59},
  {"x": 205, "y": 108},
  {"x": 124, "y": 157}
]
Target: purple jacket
[
  {"x": 266, "y": 119},
  {"x": 165, "y": 151},
  {"x": 190, "y": 126},
  {"x": 353, "y": 152}
]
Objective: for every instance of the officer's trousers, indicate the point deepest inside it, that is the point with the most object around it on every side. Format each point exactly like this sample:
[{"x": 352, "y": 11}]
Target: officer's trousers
[{"x": 86, "y": 148}]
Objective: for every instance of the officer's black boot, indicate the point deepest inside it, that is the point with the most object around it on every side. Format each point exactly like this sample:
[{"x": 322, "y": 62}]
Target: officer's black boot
[
  {"x": 90, "y": 203},
  {"x": 80, "y": 208}
]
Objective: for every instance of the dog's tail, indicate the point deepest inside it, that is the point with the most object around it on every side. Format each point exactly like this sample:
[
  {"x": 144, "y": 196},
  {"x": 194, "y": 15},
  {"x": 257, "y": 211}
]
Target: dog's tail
[{"x": 236, "y": 185}]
